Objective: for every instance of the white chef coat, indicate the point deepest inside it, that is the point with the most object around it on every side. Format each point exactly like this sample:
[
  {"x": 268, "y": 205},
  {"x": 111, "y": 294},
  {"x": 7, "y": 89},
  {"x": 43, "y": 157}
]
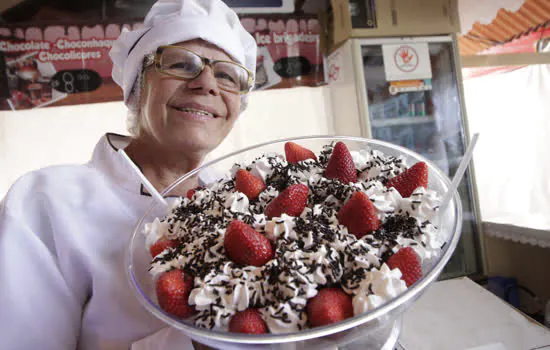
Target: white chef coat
[{"x": 63, "y": 235}]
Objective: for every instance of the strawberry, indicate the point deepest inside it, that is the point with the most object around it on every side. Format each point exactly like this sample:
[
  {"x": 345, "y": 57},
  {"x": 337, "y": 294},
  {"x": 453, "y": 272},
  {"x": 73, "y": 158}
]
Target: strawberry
[
  {"x": 291, "y": 201},
  {"x": 159, "y": 246},
  {"x": 191, "y": 192},
  {"x": 408, "y": 262},
  {"x": 340, "y": 165},
  {"x": 248, "y": 321},
  {"x": 173, "y": 289},
  {"x": 359, "y": 215},
  {"x": 248, "y": 184},
  {"x": 246, "y": 246},
  {"x": 329, "y": 306},
  {"x": 296, "y": 153},
  {"x": 408, "y": 181}
]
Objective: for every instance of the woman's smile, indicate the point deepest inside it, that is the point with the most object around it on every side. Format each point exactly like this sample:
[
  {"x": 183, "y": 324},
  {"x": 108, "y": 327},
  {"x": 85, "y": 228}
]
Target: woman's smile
[{"x": 194, "y": 111}]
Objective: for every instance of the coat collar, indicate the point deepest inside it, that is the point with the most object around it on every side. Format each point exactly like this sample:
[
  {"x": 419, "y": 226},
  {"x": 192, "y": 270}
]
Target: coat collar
[{"x": 107, "y": 159}]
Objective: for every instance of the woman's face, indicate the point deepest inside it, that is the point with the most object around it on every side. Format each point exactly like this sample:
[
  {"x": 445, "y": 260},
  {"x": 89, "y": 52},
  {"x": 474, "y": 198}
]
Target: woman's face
[{"x": 169, "y": 105}]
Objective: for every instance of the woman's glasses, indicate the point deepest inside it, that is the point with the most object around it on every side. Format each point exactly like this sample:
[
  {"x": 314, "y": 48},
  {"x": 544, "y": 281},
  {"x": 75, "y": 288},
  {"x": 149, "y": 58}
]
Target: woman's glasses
[{"x": 186, "y": 64}]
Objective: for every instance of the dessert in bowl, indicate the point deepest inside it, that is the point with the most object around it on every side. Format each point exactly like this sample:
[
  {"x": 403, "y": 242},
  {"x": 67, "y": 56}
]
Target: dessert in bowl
[{"x": 314, "y": 241}]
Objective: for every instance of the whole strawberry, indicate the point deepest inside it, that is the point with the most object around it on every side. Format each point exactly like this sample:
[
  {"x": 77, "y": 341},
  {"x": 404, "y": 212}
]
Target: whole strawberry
[
  {"x": 191, "y": 192},
  {"x": 329, "y": 306},
  {"x": 408, "y": 262},
  {"x": 248, "y": 321},
  {"x": 291, "y": 201},
  {"x": 246, "y": 246},
  {"x": 340, "y": 165},
  {"x": 412, "y": 178},
  {"x": 295, "y": 153},
  {"x": 173, "y": 288},
  {"x": 248, "y": 184},
  {"x": 359, "y": 215},
  {"x": 159, "y": 246}
]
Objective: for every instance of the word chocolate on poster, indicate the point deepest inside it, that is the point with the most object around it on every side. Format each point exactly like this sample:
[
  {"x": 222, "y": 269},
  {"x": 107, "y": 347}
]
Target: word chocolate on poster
[
  {"x": 67, "y": 64},
  {"x": 57, "y": 65}
]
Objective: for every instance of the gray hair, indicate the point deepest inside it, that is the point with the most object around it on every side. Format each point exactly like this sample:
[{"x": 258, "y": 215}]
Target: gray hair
[
  {"x": 133, "y": 104},
  {"x": 134, "y": 101}
]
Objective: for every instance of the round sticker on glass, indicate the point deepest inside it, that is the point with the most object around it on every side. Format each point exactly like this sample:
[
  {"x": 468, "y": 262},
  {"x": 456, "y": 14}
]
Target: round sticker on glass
[{"x": 406, "y": 59}]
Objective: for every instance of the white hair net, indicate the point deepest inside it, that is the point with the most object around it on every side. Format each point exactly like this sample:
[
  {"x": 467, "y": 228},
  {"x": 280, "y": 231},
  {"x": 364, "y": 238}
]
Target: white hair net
[{"x": 172, "y": 21}]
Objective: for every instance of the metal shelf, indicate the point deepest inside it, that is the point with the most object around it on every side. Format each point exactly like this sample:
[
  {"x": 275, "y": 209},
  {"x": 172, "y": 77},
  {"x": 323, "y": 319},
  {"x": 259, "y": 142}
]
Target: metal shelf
[{"x": 376, "y": 123}]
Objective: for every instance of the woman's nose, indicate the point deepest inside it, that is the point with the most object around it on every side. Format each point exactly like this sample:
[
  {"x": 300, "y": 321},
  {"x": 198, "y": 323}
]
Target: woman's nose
[{"x": 205, "y": 82}]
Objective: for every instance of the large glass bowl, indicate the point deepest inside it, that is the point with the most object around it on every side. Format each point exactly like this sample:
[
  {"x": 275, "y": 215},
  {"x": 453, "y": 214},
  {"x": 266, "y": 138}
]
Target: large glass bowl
[{"x": 370, "y": 330}]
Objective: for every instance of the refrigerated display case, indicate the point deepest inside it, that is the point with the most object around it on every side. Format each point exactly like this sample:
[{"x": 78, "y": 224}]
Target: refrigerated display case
[{"x": 426, "y": 115}]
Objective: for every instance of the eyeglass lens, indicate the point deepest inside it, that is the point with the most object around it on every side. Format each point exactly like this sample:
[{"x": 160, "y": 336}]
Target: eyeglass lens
[{"x": 188, "y": 65}]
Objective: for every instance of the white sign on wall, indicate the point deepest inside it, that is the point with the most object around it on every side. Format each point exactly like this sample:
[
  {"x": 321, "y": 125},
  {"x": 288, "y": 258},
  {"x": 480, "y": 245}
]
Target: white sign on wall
[
  {"x": 261, "y": 6},
  {"x": 335, "y": 67},
  {"x": 407, "y": 61}
]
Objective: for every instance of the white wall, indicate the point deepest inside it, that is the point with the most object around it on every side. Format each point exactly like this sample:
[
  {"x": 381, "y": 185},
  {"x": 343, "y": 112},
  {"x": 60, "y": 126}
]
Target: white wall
[
  {"x": 58, "y": 135},
  {"x": 33, "y": 139},
  {"x": 279, "y": 114}
]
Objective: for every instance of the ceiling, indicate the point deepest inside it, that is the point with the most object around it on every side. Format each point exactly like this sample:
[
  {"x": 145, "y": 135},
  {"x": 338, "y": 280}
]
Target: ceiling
[
  {"x": 505, "y": 27},
  {"x": 6, "y": 4},
  {"x": 75, "y": 10}
]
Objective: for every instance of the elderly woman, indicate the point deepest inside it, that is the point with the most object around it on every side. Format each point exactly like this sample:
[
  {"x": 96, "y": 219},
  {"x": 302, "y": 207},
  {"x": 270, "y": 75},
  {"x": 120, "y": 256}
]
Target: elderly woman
[{"x": 64, "y": 229}]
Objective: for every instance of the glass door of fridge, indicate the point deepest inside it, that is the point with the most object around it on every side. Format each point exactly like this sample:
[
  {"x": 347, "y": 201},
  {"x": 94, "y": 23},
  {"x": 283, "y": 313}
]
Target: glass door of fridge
[{"x": 428, "y": 119}]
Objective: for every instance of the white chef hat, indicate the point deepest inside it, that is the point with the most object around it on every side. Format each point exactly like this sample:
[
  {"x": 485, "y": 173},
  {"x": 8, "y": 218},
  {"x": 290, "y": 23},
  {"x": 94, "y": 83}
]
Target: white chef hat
[{"x": 172, "y": 21}]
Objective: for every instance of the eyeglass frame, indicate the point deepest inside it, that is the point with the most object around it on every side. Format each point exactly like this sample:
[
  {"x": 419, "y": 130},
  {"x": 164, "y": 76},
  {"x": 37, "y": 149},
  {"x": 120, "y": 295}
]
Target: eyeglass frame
[{"x": 153, "y": 58}]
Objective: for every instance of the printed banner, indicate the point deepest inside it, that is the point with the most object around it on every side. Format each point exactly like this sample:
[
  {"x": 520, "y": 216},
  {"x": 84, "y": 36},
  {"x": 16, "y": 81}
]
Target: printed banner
[
  {"x": 57, "y": 65},
  {"x": 289, "y": 51},
  {"x": 397, "y": 87}
]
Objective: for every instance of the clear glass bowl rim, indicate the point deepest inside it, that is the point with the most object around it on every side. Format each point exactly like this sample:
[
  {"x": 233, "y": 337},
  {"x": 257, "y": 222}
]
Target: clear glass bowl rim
[{"x": 408, "y": 296}]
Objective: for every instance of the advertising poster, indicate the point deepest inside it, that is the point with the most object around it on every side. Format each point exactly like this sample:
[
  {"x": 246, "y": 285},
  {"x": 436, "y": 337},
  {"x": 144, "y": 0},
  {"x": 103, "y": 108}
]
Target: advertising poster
[
  {"x": 289, "y": 52},
  {"x": 64, "y": 64},
  {"x": 57, "y": 65}
]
